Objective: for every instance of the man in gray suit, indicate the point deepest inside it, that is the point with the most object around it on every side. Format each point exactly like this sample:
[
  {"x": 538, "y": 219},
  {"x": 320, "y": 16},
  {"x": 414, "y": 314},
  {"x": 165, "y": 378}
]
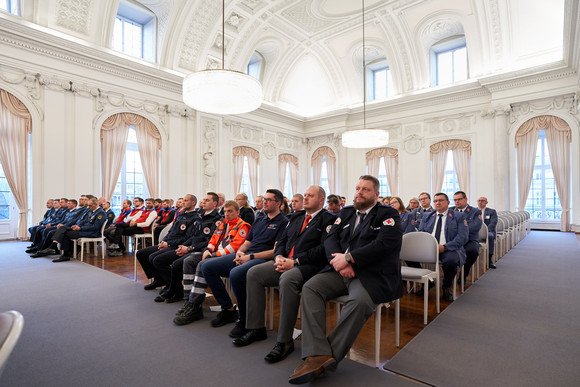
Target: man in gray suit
[
  {"x": 489, "y": 216},
  {"x": 362, "y": 249}
]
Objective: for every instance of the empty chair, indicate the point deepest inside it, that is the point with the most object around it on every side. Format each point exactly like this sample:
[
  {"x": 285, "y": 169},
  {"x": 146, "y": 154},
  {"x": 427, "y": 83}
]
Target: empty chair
[
  {"x": 11, "y": 324},
  {"x": 421, "y": 247},
  {"x": 483, "y": 248}
]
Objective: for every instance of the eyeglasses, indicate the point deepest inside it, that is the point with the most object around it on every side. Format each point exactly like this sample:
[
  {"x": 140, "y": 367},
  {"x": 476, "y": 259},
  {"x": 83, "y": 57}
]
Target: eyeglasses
[{"x": 269, "y": 200}]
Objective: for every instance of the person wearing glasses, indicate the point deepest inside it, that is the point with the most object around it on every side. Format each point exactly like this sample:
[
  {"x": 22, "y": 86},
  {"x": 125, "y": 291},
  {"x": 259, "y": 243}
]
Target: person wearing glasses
[
  {"x": 451, "y": 232},
  {"x": 473, "y": 218},
  {"x": 489, "y": 216},
  {"x": 425, "y": 206}
]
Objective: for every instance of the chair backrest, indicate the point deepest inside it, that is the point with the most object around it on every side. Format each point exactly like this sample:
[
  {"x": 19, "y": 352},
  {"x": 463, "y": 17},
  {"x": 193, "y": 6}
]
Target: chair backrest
[
  {"x": 103, "y": 229},
  {"x": 11, "y": 324},
  {"x": 165, "y": 231},
  {"x": 500, "y": 226},
  {"x": 420, "y": 247},
  {"x": 483, "y": 233}
]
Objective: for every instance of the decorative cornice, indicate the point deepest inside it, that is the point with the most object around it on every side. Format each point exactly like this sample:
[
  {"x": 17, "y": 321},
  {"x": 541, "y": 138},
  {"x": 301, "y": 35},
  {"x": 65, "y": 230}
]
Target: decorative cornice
[{"x": 526, "y": 77}]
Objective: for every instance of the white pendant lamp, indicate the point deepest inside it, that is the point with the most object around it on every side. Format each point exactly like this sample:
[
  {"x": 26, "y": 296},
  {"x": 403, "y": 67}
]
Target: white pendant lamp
[
  {"x": 364, "y": 137},
  {"x": 221, "y": 91}
]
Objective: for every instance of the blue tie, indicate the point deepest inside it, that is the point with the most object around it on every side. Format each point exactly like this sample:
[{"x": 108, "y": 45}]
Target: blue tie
[
  {"x": 438, "y": 227},
  {"x": 361, "y": 216}
]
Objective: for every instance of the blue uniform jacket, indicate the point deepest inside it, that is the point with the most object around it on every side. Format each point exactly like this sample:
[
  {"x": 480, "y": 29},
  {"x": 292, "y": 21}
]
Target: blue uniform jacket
[
  {"x": 456, "y": 230},
  {"x": 73, "y": 216},
  {"x": 473, "y": 218},
  {"x": 203, "y": 229},
  {"x": 47, "y": 216},
  {"x": 408, "y": 222},
  {"x": 92, "y": 223},
  {"x": 59, "y": 216},
  {"x": 490, "y": 219},
  {"x": 110, "y": 217},
  {"x": 182, "y": 229},
  {"x": 375, "y": 246}
]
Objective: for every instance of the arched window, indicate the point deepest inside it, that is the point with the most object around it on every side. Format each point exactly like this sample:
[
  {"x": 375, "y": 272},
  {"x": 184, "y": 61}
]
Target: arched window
[
  {"x": 288, "y": 174},
  {"x": 543, "y": 169},
  {"x": 324, "y": 169},
  {"x": 451, "y": 166},
  {"x": 379, "y": 80},
  {"x": 383, "y": 163},
  {"x": 135, "y": 31},
  {"x": 130, "y": 150},
  {"x": 10, "y": 6},
  {"x": 255, "y": 66},
  {"x": 449, "y": 61},
  {"x": 246, "y": 171}
]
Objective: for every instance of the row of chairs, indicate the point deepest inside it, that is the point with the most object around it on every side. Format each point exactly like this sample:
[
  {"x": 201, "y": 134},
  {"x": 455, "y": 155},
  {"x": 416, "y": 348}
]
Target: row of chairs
[{"x": 511, "y": 228}]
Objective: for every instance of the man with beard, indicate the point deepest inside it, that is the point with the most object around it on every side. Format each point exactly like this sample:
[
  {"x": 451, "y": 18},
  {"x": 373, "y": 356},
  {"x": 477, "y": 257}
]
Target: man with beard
[{"x": 362, "y": 249}]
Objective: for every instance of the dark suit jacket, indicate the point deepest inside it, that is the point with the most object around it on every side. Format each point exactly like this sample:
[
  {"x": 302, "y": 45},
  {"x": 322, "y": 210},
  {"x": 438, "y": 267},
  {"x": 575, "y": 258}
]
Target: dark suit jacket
[
  {"x": 490, "y": 219},
  {"x": 308, "y": 244},
  {"x": 374, "y": 246},
  {"x": 456, "y": 230}
]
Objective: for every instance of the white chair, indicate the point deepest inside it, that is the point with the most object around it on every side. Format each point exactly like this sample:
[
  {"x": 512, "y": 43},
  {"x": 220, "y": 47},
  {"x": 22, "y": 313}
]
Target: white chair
[
  {"x": 11, "y": 324},
  {"x": 483, "y": 249},
  {"x": 162, "y": 235},
  {"x": 421, "y": 247},
  {"x": 339, "y": 301},
  {"x": 95, "y": 241}
]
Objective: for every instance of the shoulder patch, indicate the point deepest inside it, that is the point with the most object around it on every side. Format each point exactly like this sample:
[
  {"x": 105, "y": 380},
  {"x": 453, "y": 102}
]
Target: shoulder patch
[
  {"x": 337, "y": 221},
  {"x": 182, "y": 227},
  {"x": 206, "y": 230},
  {"x": 242, "y": 232},
  {"x": 389, "y": 222},
  {"x": 100, "y": 217},
  {"x": 479, "y": 216},
  {"x": 328, "y": 228},
  {"x": 218, "y": 223}
]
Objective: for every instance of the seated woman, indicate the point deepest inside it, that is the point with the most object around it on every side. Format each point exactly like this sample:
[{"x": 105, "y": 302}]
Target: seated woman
[
  {"x": 246, "y": 212},
  {"x": 407, "y": 221}
]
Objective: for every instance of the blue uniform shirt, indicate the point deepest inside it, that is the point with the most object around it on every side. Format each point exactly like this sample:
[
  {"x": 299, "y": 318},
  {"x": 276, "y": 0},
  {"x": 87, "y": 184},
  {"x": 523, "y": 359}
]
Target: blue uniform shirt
[{"x": 265, "y": 232}]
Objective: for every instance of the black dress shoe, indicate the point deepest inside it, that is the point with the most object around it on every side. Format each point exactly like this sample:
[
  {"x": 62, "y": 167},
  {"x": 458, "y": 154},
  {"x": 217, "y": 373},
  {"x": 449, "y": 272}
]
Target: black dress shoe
[
  {"x": 492, "y": 265},
  {"x": 63, "y": 258},
  {"x": 160, "y": 298},
  {"x": 32, "y": 250},
  {"x": 174, "y": 298},
  {"x": 422, "y": 291},
  {"x": 280, "y": 351},
  {"x": 447, "y": 294},
  {"x": 38, "y": 255},
  {"x": 239, "y": 329},
  {"x": 154, "y": 285},
  {"x": 225, "y": 317},
  {"x": 250, "y": 336}
]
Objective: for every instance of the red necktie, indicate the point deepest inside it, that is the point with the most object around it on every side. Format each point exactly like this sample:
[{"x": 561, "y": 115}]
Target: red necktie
[{"x": 306, "y": 220}]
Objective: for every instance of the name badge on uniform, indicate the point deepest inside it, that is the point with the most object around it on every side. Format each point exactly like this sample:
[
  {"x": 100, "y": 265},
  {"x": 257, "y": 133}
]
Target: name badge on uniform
[
  {"x": 272, "y": 226},
  {"x": 486, "y": 216}
]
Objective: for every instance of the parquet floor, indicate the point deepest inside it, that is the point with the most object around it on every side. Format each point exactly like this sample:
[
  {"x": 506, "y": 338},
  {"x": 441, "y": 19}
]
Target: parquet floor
[{"x": 363, "y": 351}]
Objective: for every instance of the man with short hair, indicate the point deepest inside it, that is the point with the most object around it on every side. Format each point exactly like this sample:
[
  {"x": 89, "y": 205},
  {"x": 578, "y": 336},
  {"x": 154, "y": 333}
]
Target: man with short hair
[
  {"x": 473, "y": 218},
  {"x": 297, "y": 202},
  {"x": 166, "y": 214},
  {"x": 101, "y": 201},
  {"x": 138, "y": 222},
  {"x": 50, "y": 211},
  {"x": 333, "y": 204},
  {"x": 181, "y": 231},
  {"x": 451, "y": 232},
  {"x": 489, "y": 216},
  {"x": 299, "y": 254},
  {"x": 37, "y": 237},
  {"x": 258, "y": 248},
  {"x": 424, "y": 207},
  {"x": 259, "y": 206},
  {"x": 106, "y": 206},
  {"x": 221, "y": 201},
  {"x": 179, "y": 205},
  {"x": 89, "y": 227},
  {"x": 342, "y": 201},
  {"x": 362, "y": 249}
]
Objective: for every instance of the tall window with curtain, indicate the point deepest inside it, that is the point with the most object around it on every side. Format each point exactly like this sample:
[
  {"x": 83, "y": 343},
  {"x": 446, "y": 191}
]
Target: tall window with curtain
[
  {"x": 15, "y": 128},
  {"x": 543, "y": 169},
  {"x": 383, "y": 163},
  {"x": 323, "y": 170},
  {"x": 129, "y": 143},
  {"x": 451, "y": 166},
  {"x": 288, "y": 174},
  {"x": 246, "y": 171}
]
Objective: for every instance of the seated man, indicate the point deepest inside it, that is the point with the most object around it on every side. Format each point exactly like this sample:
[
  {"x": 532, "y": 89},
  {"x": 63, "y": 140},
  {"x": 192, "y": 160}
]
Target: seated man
[
  {"x": 299, "y": 254},
  {"x": 362, "y": 249},
  {"x": 333, "y": 204},
  {"x": 47, "y": 246},
  {"x": 489, "y": 216},
  {"x": 138, "y": 222},
  {"x": 297, "y": 202},
  {"x": 258, "y": 247},
  {"x": 110, "y": 214},
  {"x": 451, "y": 232},
  {"x": 181, "y": 231},
  {"x": 473, "y": 218},
  {"x": 169, "y": 265},
  {"x": 46, "y": 219},
  {"x": 90, "y": 227},
  {"x": 36, "y": 231},
  {"x": 226, "y": 239},
  {"x": 166, "y": 214}
]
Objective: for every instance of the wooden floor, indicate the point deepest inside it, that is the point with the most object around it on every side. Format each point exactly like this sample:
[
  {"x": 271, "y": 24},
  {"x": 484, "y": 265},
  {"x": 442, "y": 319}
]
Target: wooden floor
[{"x": 363, "y": 350}]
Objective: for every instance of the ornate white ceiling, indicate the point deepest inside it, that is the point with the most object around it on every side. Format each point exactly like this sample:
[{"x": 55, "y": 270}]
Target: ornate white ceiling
[{"x": 312, "y": 48}]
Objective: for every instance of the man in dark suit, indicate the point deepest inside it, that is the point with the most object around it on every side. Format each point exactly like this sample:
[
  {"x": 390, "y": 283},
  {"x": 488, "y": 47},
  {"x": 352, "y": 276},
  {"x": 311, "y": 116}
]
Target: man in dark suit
[
  {"x": 299, "y": 254},
  {"x": 362, "y": 249},
  {"x": 489, "y": 216},
  {"x": 425, "y": 206},
  {"x": 473, "y": 218},
  {"x": 451, "y": 240}
]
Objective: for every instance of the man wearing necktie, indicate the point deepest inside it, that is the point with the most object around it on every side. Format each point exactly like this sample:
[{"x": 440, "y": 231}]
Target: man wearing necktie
[
  {"x": 451, "y": 232},
  {"x": 362, "y": 249},
  {"x": 299, "y": 254},
  {"x": 473, "y": 218},
  {"x": 489, "y": 216}
]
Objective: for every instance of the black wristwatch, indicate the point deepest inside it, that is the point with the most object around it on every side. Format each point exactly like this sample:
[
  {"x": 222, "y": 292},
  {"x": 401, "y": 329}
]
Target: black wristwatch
[
  {"x": 251, "y": 256},
  {"x": 348, "y": 257}
]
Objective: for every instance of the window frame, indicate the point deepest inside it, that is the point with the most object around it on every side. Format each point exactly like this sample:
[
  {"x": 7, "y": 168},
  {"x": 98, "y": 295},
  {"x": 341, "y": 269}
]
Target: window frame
[
  {"x": 137, "y": 14},
  {"x": 256, "y": 59},
  {"x": 449, "y": 45},
  {"x": 371, "y": 71},
  {"x": 12, "y": 7}
]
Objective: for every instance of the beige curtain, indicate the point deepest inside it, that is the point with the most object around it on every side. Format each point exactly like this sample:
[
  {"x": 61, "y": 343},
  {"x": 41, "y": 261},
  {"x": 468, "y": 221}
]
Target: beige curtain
[
  {"x": 15, "y": 125},
  {"x": 462, "y": 152},
  {"x": 374, "y": 165},
  {"x": 558, "y": 138},
  {"x": 292, "y": 162},
  {"x": 316, "y": 162},
  {"x": 392, "y": 168},
  {"x": 253, "y": 159},
  {"x": 114, "y": 132},
  {"x": 391, "y": 162}
]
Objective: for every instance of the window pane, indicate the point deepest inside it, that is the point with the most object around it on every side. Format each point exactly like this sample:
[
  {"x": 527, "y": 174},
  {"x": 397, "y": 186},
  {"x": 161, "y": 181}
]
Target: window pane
[
  {"x": 324, "y": 176},
  {"x": 460, "y": 64},
  {"x": 385, "y": 190},
  {"x": 5, "y": 195},
  {"x": 444, "y": 68},
  {"x": 118, "y": 35},
  {"x": 246, "y": 188},
  {"x": 287, "y": 183},
  {"x": 380, "y": 83},
  {"x": 450, "y": 182}
]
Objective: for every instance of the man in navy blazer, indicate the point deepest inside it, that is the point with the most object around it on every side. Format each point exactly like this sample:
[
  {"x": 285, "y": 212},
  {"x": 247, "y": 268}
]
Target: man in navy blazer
[
  {"x": 362, "y": 249},
  {"x": 453, "y": 236},
  {"x": 473, "y": 218},
  {"x": 489, "y": 216},
  {"x": 298, "y": 255}
]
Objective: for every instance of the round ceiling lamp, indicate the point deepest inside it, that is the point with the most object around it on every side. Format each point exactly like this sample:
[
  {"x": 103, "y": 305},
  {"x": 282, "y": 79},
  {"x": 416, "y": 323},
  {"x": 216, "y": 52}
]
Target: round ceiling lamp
[
  {"x": 221, "y": 91},
  {"x": 364, "y": 137}
]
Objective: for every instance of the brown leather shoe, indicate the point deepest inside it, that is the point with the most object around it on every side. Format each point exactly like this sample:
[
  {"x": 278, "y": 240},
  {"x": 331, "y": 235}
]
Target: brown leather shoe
[{"x": 312, "y": 367}]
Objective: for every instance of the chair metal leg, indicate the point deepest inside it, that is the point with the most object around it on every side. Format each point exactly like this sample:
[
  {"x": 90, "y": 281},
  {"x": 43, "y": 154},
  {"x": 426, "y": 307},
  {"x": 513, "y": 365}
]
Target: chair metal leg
[{"x": 377, "y": 334}]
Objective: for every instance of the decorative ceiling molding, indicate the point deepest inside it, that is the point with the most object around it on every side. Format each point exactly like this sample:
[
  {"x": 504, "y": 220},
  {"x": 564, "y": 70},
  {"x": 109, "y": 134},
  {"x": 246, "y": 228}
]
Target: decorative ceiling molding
[
  {"x": 194, "y": 40},
  {"x": 74, "y": 15}
]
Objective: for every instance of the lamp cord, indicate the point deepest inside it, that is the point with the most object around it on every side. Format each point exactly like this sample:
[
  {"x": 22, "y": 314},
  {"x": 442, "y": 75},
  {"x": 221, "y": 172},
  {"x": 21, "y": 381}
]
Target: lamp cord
[
  {"x": 364, "y": 69},
  {"x": 223, "y": 32}
]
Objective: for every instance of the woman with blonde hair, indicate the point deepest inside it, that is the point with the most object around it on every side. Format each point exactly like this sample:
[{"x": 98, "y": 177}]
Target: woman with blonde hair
[{"x": 246, "y": 212}]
